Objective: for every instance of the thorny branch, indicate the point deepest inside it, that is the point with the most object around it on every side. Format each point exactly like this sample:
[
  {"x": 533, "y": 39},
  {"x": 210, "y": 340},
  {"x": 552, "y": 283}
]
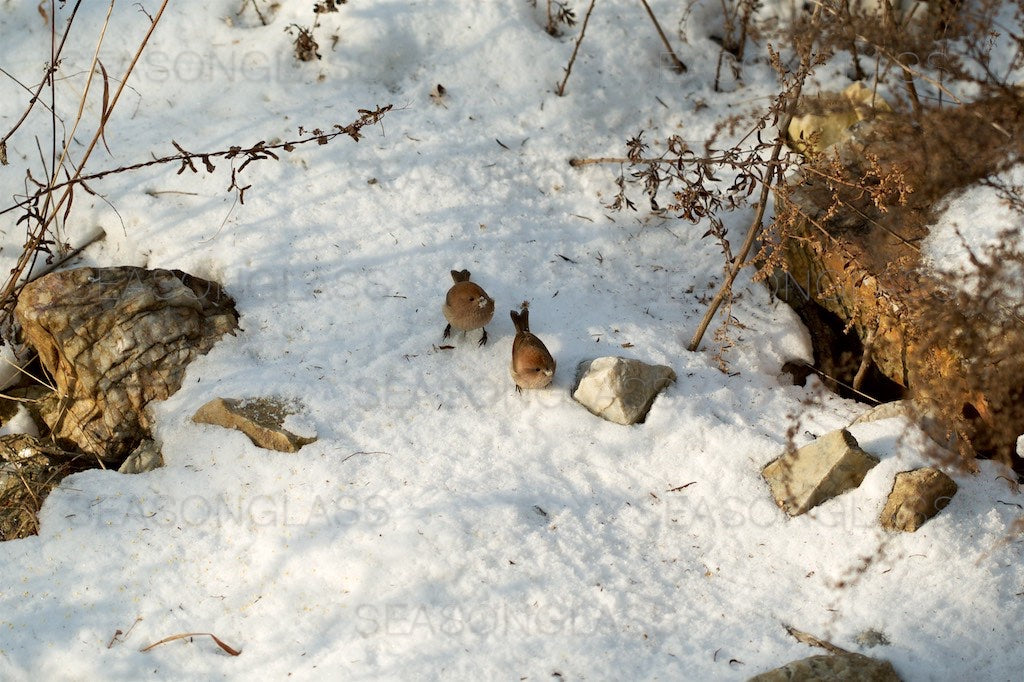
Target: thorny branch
[{"x": 187, "y": 161}]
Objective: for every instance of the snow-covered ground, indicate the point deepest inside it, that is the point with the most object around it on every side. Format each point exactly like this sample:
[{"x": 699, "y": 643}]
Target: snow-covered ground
[
  {"x": 443, "y": 526},
  {"x": 980, "y": 218}
]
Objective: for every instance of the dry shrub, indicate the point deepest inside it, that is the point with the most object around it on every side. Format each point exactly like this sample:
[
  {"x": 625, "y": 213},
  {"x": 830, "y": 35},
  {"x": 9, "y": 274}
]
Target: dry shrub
[
  {"x": 29, "y": 470},
  {"x": 967, "y": 362},
  {"x": 864, "y": 211},
  {"x": 867, "y": 208}
]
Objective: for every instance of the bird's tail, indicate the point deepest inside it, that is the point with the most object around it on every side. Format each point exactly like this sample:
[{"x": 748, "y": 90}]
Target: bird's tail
[
  {"x": 460, "y": 275},
  {"x": 521, "y": 319}
]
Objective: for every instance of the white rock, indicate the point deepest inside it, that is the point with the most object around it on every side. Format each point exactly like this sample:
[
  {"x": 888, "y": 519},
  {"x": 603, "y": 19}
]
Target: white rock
[{"x": 620, "y": 390}]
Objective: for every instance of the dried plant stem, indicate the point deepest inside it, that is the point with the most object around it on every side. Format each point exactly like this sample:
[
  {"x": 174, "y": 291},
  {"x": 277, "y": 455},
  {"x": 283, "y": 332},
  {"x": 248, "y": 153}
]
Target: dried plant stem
[
  {"x": 577, "y": 163},
  {"x": 770, "y": 177},
  {"x": 740, "y": 260},
  {"x": 865, "y": 360},
  {"x": 811, "y": 640},
  {"x": 47, "y": 218},
  {"x": 679, "y": 65},
  {"x": 560, "y": 90},
  {"x": 839, "y": 382},
  {"x": 50, "y": 70},
  {"x": 117, "y": 95},
  {"x": 256, "y": 7},
  {"x": 85, "y": 93},
  {"x": 253, "y": 153}
]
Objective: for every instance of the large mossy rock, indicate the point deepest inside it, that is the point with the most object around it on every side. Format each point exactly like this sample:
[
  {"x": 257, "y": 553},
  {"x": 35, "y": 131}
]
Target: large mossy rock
[
  {"x": 851, "y": 247},
  {"x": 115, "y": 339}
]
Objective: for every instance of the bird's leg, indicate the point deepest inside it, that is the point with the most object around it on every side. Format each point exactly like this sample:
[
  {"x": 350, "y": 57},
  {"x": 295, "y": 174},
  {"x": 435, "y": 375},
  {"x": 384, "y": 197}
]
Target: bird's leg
[
  {"x": 447, "y": 332},
  {"x": 483, "y": 339},
  {"x": 519, "y": 389}
]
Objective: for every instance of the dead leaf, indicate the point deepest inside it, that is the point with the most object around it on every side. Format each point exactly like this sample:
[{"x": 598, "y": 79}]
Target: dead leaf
[{"x": 184, "y": 635}]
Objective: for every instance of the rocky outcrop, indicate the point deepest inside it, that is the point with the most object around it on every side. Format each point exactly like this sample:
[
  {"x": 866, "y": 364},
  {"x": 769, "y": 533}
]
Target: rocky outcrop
[
  {"x": 114, "y": 339},
  {"x": 916, "y": 496},
  {"x": 852, "y": 222},
  {"x": 620, "y": 390},
  {"x": 802, "y": 479},
  {"x": 261, "y": 419}
]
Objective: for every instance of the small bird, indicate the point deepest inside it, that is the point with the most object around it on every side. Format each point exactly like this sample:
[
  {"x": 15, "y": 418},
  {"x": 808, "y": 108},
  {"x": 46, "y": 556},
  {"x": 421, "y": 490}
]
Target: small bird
[
  {"x": 532, "y": 364},
  {"x": 467, "y": 306}
]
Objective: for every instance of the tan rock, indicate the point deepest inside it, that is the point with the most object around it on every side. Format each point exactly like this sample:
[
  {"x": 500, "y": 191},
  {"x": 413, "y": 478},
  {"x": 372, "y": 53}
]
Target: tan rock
[
  {"x": 916, "y": 497},
  {"x": 114, "y": 339},
  {"x": 261, "y": 419},
  {"x": 802, "y": 479},
  {"x": 846, "y": 667},
  {"x": 824, "y": 120},
  {"x": 890, "y": 410}
]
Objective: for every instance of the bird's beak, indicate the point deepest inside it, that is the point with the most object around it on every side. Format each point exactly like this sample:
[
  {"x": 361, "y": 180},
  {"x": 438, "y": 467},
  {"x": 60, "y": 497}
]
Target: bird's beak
[{"x": 483, "y": 302}]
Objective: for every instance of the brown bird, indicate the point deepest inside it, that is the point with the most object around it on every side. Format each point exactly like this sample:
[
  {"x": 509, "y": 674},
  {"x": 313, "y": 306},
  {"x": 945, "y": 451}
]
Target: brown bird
[
  {"x": 532, "y": 364},
  {"x": 467, "y": 306}
]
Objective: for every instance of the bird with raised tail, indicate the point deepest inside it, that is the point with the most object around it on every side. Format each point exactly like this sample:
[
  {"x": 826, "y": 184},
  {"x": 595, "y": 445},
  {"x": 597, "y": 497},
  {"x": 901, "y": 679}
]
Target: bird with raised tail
[
  {"x": 532, "y": 364},
  {"x": 467, "y": 306}
]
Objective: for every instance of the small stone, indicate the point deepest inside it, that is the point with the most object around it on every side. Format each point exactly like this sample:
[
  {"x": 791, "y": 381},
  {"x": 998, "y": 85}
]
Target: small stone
[
  {"x": 146, "y": 457},
  {"x": 620, "y": 390},
  {"x": 817, "y": 472},
  {"x": 261, "y": 419},
  {"x": 916, "y": 496},
  {"x": 848, "y": 667}
]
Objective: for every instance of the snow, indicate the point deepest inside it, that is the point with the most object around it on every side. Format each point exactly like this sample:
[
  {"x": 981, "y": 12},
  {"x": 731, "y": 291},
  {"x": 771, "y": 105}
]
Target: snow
[
  {"x": 980, "y": 219},
  {"x": 21, "y": 422},
  {"x": 443, "y": 526}
]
